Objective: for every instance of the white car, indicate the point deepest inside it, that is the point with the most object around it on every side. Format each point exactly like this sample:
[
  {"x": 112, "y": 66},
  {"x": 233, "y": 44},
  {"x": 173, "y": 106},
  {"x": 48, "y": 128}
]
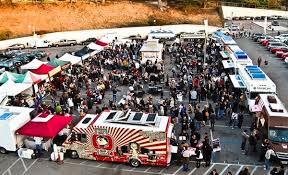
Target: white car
[
  {"x": 224, "y": 30},
  {"x": 282, "y": 37}
]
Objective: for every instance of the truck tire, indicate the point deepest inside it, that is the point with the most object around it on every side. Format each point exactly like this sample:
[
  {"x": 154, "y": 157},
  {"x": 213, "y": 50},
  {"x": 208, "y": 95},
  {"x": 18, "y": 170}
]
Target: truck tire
[
  {"x": 3, "y": 150},
  {"x": 71, "y": 44},
  {"x": 33, "y": 156},
  {"x": 74, "y": 155},
  {"x": 134, "y": 163},
  {"x": 57, "y": 45}
]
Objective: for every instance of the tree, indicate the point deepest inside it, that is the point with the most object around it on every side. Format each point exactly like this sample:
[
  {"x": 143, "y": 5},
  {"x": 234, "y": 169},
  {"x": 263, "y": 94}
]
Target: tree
[{"x": 274, "y": 3}]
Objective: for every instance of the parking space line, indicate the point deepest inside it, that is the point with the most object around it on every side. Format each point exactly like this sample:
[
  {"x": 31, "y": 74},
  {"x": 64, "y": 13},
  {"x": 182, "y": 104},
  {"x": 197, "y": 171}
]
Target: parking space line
[
  {"x": 147, "y": 169},
  {"x": 162, "y": 170},
  {"x": 177, "y": 170},
  {"x": 25, "y": 167},
  {"x": 223, "y": 171},
  {"x": 99, "y": 165},
  {"x": 29, "y": 166},
  {"x": 255, "y": 168},
  {"x": 240, "y": 169},
  {"x": 192, "y": 171},
  {"x": 110, "y": 168},
  {"x": 8, "y": 169},
  {"x": 84, "y": 162},
  {"x": 9, "y": 172},
  {"x": 209, "y": 169}
]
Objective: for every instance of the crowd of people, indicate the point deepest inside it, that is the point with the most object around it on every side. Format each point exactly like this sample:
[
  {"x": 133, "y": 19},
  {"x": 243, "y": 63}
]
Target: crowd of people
[{"x": 178, "y": 88}]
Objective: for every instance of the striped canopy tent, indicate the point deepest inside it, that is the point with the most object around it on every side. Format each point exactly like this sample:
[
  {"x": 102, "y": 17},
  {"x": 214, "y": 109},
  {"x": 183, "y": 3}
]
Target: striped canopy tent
[
  {"x": 56, "y": 62},
  {"x": 4, "y": 77},
  {"x": 30, "y": 77}
]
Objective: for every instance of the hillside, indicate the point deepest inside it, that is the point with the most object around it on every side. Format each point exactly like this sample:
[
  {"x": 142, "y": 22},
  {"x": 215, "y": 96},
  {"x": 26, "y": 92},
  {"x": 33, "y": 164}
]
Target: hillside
[{"x": 18, "y": 20}]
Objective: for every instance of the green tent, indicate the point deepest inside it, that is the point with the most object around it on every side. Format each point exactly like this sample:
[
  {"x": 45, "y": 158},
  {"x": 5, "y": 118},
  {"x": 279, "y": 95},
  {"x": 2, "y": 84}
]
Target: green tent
[
  {"x": 56, "y": 62},
  {"x": 17, "y": 78}
]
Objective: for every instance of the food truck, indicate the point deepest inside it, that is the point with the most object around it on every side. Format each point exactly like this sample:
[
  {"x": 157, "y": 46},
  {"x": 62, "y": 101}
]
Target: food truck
[
  {"x": 11, "y": 119},
  {"x": 151, "y": 51},
  {"x": 256, "y": 82},
  {"x": 122, "y": 136},
  {"x": 273, "y": 123},
  {"x": 237, "y": 57}
]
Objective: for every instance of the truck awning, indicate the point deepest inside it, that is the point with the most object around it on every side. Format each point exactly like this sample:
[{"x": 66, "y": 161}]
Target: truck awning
[
  {"x": 227, "y": 64},
  {"x": 237, "y": 81}
]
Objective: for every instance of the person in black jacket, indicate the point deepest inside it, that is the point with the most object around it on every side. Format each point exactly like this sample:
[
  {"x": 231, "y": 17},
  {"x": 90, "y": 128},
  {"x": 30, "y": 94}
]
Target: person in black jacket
[{"x": 207, "y": 151}]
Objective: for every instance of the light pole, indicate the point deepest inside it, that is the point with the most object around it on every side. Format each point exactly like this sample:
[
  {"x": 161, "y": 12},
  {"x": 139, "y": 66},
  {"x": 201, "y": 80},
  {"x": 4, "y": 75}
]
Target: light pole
[{"x": 205, "y": 41}]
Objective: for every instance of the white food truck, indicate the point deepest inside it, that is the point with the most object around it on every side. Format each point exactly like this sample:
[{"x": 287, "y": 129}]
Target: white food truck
[
  {"x": 11, "y": 119},
  {"x": 256, "y": 82}
]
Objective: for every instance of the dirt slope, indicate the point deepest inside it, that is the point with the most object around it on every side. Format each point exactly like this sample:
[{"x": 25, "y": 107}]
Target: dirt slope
[{"x": 79, "y": 16}]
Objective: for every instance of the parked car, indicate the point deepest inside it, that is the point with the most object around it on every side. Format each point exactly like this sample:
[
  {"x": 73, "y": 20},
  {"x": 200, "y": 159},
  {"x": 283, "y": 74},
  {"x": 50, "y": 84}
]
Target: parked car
[
  {"x": 263, "y": 37},
  {"x": 256, "y": 35},
  {"x": 267, "y": 41},
  {"x": 275, "y": 49},
  {"x": 282, "y": 37},
  {"x": 284, "y": 56},
  {"x": 88, "y": 41},
  {"x": 16, "y": 47},
  {"x": 39, "y": 53},
  {"x": 279, "y": 53},
  {"x": 64, "y": 42},
  {"x": 272, "y": 45},
  {"x": 275, "y": 23}
]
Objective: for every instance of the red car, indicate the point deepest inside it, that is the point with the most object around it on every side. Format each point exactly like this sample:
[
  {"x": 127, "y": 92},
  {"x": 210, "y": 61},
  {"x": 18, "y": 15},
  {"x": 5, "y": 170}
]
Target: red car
[
  {"x": 284, "y": 55},
  {"x": 267, "y": 41},
  {"x": 283, "y": 49}
]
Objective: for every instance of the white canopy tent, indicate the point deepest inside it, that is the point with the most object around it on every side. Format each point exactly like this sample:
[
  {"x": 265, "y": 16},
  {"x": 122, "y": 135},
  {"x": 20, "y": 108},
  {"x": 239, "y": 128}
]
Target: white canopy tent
[
  {"x": 34, "y": 64},
  {"x": 12, "y": 89},
  {"x": 73, "y": 59}
]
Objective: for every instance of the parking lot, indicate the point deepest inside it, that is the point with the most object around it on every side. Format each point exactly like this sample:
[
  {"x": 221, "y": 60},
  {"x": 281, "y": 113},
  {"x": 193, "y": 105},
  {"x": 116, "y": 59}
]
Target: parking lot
[{"x": 85, "y": 167}]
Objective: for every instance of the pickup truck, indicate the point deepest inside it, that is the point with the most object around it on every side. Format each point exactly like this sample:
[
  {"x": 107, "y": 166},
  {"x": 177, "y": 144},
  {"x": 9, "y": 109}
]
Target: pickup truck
[{"x": 64, "y": 42}]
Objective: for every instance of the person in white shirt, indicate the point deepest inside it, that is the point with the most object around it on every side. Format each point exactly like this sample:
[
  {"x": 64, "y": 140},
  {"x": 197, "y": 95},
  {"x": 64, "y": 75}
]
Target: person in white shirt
[
  {"x": 234, "y": 118},
  {"x": 186, "y": 155},
  {"x": 268, "y": 154},
  {"x": 193, "y": 94},
  {"x": 38, "y": 143}
]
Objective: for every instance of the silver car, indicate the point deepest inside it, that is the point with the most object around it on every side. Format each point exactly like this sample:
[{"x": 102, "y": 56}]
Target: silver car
[{"x": 16, "y": 47}]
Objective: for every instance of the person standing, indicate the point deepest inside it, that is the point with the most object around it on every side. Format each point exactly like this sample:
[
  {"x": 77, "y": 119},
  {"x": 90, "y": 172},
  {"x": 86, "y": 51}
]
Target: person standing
[
  {"x": 234, "y": 118},
  {"x": 245, "y": 137},
  {"x": 259, "y": 61},
  {"x": 264, "y": 148},
  {"x": 207, "y": 154},
  {"x": 199, "y": 157},
  {"x": 38, "y": 143},
  {"x": 185, "y": 157},
  {"x": 240, "y": 119},
  {"x": 268, "y": 154},
  {"x": 212, "y": 120}
]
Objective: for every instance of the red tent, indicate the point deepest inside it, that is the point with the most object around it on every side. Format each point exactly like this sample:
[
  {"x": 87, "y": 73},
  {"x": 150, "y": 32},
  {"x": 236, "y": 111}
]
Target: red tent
[
  {"x": 101, "y": 43},
  {"x": 43, "y": 69},
  {"x": 45, "y": 125}
]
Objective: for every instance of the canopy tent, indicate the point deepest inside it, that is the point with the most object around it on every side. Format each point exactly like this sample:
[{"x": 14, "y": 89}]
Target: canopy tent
[
  {"x": 12, "y": 89},
  {"x": 56, "y": 62},
  {"x": 34, "y": 64},
  {"x": 94, "y": 46},
  {"x": 71, "y": 58},
  {"x": 10, "y": 76},
  {"x": 43, "y": 69},
  {"x": 45, "y": 125},
  {"x": 30, "y": 77},
  {"x": 85, "y": 50}
]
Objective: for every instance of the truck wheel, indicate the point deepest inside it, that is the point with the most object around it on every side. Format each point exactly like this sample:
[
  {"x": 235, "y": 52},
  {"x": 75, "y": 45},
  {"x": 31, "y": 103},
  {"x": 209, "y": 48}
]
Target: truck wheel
[
  {"x": 71, "y": 44},
  {"x": 3, "y": 150},
  {"x": 33, "y": 156},
  {"x": 134, "y": 163},
  {"x": 74, "y": 155},
  {"x": 57, "y": 45}
]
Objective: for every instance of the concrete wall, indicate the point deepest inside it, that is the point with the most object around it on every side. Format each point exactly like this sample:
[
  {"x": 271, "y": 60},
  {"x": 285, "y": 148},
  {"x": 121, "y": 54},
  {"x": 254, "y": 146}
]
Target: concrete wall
[
  {"x": 119, "y": 32},
  {"x": 243, "y": 11}
]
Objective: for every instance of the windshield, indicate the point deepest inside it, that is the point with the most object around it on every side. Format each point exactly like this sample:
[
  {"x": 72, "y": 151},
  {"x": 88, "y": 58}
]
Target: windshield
[{"x": 278, "y": 135}]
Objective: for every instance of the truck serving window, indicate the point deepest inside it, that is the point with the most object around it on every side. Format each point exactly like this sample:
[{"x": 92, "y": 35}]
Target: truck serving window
[{"x": 278, "y": 135}]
